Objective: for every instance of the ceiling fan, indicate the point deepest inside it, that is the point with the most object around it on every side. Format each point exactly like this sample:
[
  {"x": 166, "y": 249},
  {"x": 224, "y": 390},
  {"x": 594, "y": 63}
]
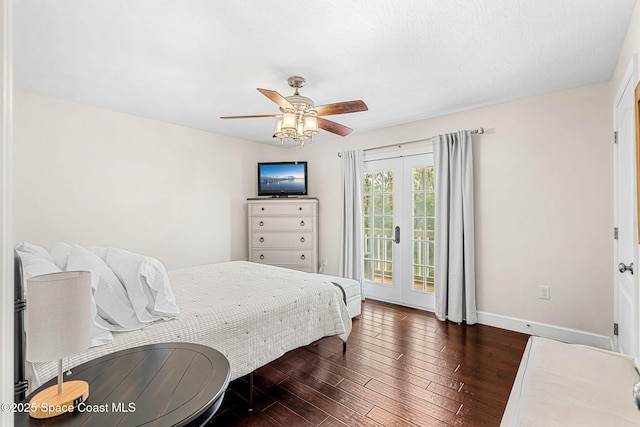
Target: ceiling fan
[{"x": 300, "y": 119}]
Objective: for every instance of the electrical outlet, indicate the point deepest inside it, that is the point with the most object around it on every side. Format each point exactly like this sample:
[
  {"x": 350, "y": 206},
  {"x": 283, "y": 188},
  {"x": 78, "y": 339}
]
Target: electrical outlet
[{"x": 544, "y": 292}]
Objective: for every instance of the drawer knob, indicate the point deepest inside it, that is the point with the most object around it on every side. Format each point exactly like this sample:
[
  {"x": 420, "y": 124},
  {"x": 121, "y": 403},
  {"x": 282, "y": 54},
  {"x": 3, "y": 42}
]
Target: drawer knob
[
  {"x": 261, "y": 209},
  {"x": 262, "y": 239},
  {"x": 261, "y": 256},
  {"x": 300, "y": 208},
  {"x": 301, "y": 223},
  {"x": 302, "y": 239},
  {"x": 261, "y": 223},
  {"x": 302, "y": 257}
]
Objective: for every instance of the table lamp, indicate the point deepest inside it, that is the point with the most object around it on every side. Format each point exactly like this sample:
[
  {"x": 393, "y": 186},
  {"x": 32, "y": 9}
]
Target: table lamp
[{"x": 59, "y": 325}]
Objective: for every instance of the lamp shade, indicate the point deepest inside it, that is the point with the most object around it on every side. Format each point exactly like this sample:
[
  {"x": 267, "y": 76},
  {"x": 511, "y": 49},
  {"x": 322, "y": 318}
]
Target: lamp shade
[
  {"x": 289, "y": 122},
  {"x": 278, "y": 132},
  {"x": 310, "y": 125},
  {"x": 59, "y": 320}
]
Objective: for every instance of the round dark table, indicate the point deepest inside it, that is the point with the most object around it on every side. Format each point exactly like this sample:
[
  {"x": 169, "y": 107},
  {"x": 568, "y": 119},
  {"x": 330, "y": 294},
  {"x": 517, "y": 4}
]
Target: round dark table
[{"x": 170, "y": 384}]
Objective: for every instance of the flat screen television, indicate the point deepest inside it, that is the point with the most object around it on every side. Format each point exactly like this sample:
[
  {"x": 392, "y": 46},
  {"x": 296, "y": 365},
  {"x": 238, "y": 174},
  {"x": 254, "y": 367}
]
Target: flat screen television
[{"x": 282, "y": 179}]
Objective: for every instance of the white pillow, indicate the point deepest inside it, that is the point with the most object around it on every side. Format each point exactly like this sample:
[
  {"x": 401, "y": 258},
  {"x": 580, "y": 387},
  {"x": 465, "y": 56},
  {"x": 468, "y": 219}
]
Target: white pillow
[
  {"x": 35, "y": 261},
  {"x": 60, "y": 254},
  {"x": 112, "y": 302},
  {"x": 27, "y": 249},
  {"x": 147, "y": 283},
  {"x": 129, "y": 276},
  {"x": 100, "y": 333},
  {"x": 101, "y": 251},
  {"x": 33, "y": 266}
]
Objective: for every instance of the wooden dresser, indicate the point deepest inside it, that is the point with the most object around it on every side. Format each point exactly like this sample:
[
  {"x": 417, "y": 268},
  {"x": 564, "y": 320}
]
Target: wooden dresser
[{"x": 284, "y": 232}]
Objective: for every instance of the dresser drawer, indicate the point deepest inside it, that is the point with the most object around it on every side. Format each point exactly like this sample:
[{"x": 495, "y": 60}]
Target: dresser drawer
[
  {"x": 281, "y": 223},
  {"x": 293, "y": 258},
  {"x": 295, "y": 240},
  {"x": 281, "y": 208}
]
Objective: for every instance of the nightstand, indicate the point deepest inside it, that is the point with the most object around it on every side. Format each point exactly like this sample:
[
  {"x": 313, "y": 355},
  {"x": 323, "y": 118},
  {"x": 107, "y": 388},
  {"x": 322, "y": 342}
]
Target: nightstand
[{"x": 170, "y": 384}]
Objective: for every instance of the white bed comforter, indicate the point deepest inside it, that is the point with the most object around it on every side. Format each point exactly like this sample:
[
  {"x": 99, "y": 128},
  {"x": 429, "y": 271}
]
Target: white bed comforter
[{"x": 252, "y": 313}]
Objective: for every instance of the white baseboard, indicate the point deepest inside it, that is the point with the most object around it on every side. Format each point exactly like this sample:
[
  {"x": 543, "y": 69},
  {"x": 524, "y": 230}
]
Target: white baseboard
[{"x": 544, "y": 330}]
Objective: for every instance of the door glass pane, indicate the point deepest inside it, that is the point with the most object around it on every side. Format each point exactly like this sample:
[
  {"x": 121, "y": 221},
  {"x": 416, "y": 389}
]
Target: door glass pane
[
  {"x": 377, "y": 182},
  {"x": 419, "y": 228},
  {"x": 378, "y": 227},
  {"x": 388, "y": 181},
  {"x": 423, "y": 215},
  {"x": 366, "y": 206},
  {"x": 430, "y": 198},
  {"x": 419, "y": 203}
]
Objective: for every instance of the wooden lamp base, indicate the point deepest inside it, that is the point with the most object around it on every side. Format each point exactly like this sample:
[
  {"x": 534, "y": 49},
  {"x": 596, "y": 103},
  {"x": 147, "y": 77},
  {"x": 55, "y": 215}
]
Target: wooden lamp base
[{"x": 49, "y": 403}]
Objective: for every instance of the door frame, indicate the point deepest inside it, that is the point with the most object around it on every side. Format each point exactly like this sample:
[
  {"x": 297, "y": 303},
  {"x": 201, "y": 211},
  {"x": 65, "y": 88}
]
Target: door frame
[
  {"x": 629, "y": 79},
  {"x": 6, "y": 212}
]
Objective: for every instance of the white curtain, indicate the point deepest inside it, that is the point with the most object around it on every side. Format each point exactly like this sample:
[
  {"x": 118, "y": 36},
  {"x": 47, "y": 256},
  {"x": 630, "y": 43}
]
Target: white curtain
[
  {"x": 455, "y": 276},
  {"x": 351, "y": 240}
]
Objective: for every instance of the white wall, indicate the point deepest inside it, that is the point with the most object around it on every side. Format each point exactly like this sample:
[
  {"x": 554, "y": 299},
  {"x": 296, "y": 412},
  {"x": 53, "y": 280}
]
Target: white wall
[
  {"x": 543, "y": 193},
  {"x": 96, "y": 177}
]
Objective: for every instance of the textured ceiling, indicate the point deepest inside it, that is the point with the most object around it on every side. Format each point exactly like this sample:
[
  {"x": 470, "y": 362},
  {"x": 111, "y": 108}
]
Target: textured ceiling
[{"x": 189, "y": 62}]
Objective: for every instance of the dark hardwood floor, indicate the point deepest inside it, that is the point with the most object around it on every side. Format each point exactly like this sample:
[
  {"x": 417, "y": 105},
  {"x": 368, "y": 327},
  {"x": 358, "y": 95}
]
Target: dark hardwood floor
[{"x": 402, "y": 368}]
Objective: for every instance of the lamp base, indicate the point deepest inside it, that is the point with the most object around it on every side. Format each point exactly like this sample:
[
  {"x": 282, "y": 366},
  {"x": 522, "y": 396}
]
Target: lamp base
[{"x": 48, "y": 403}]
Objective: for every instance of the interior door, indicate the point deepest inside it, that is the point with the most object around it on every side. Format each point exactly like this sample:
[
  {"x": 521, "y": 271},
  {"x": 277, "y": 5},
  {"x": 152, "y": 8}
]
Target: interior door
[
  {"x": 625, "y": 246},
  {"x": 399, "y": 227}
]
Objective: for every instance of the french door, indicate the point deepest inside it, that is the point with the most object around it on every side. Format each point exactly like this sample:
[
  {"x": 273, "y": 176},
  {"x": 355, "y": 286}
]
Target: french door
[{"x": 399, "y": 227}]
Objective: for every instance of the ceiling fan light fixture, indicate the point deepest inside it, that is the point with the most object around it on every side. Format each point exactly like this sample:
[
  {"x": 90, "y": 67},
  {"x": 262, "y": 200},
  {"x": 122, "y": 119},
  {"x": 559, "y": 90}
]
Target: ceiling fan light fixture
[
  {"x": 278, "y": 132},
  {"x": 289, "y": 122},
  {"x": 310, "y": 126}
]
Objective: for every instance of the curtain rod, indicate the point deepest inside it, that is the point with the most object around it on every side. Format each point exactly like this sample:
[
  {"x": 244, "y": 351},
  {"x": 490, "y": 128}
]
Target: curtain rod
[{"x": 478, "y": 131}]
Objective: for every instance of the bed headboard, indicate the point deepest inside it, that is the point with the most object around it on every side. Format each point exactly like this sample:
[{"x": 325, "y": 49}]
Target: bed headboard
[{"x": 19, "y": 339}]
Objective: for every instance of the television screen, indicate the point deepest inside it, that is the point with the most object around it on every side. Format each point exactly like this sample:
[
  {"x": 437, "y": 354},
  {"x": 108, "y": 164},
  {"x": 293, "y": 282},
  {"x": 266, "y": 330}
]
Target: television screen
[{"x": 282, "y": 179}]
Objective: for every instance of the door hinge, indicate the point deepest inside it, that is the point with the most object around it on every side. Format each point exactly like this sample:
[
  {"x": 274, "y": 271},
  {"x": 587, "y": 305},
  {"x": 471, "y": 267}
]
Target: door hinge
[
  {"x": 615, "y": 329},
  {"x": 615, "y": 137},
  {"x": 615, "y": 233}
]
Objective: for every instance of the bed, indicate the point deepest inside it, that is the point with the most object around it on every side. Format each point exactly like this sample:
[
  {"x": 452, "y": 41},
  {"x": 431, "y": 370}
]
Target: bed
[
  {"x": 561, "y": 384},
  {"x": 252, "y": 313}
]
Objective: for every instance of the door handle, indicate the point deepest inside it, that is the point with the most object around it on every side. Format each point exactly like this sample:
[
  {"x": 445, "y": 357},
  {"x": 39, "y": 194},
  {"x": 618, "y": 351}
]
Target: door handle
[
  {"x": 396, "y": 234},
  {"x": 622, "y": 268}
]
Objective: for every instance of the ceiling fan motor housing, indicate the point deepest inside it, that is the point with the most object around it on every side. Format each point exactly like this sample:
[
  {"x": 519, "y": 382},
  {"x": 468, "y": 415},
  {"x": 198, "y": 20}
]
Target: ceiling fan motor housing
[
  {"x": 301, "y": 103},
  {"x": 296, "y": 82}
]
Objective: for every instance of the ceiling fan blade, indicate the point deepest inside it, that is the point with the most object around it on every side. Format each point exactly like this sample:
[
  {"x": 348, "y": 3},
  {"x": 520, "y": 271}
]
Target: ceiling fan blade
[
  {"x": 333, "y": 127},
  {"x": 280, "y": 100},
  {"x": 341, "y": 108},
  {"x": 257, "y": 116}
]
